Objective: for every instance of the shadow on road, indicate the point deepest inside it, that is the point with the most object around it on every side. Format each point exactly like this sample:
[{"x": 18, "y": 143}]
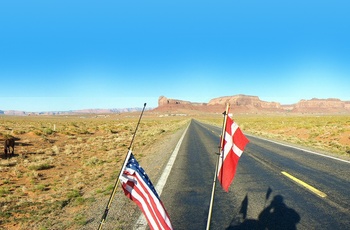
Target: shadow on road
[{"x": 277, "y": 215}]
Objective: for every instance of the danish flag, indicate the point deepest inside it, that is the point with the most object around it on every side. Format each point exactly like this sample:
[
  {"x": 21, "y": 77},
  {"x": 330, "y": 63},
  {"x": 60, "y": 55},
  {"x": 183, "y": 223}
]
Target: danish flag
[{"x": 233, "y": 146}]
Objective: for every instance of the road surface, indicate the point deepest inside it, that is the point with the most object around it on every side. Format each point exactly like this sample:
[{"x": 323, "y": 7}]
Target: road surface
[{"x": 275, "y": 185}]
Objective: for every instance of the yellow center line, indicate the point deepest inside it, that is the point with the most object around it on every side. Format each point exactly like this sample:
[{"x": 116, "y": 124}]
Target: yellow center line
[{"x": 302, "y": 183}]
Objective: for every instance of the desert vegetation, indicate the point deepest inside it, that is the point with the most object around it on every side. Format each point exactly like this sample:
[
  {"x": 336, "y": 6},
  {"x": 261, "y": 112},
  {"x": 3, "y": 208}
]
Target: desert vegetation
[
  {"x": 62, "y": 165},
  {"x": 329, "y": 133}
]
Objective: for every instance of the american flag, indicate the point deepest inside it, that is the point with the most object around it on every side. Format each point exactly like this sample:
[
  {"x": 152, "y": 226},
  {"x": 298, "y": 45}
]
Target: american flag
[{"x": 139, "y": 188}]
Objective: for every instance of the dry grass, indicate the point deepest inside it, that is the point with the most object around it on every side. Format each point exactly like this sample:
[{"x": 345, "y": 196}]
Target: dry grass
[
  {"x": 63, "y": 164},
  {"x": 326, "y": 133}
]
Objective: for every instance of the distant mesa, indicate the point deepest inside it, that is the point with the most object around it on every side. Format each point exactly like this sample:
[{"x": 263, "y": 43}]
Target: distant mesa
[
  {"x": 239, "y": 104},
  {"x": 70, "y": 112},
  {"x": 164, "y": 101},
  {"x": 244, "y": 100},
  {"x": 252, "y": 104},
  {"x": 332, "y": 105},
  {"x": 14, "y": 113}
]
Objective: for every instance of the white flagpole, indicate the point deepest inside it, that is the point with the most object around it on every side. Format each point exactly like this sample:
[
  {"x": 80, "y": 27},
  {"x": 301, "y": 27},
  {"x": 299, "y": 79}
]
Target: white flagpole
[{"x": 216, "y": 167}]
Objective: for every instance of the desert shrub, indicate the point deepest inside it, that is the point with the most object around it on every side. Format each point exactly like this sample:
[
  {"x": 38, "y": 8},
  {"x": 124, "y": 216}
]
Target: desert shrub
[
  {"x": 94, "y": 161},
  {"x": 42, "y": 166},
  {"x": 38, "y": 132},
  {"x": 8, "y": 136},
  {"x": 55, "y": 149},
  {"x": 4, "y": 191},
  {"x": 68, "y": 149},
  {"x": 40, "y": 187},
  {"x": 80, "y": 219},
  {"x": 75, "y": 197},
  {"x": 47, "y": 131},
  {"x": 85, "y": 131},
  {"x": 108, "y": 189},
  {"x": 19, "y": 132},
  {"x": 73, "y": 194},
  {"x": 5, "y": 215},
  {"x": 79, "y": 200}
]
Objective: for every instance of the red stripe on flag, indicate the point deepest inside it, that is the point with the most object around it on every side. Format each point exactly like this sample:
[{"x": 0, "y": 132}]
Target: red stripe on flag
[
  {"x": 143, "y": 202},
  {"x": 156, "y": 204},
  {"x": 136, "y": 196},
  {"x": 150, "y": 205}
]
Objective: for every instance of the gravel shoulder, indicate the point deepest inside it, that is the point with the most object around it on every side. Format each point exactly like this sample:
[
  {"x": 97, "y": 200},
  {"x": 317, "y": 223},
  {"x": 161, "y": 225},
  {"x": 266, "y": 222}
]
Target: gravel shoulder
[{"x": 123, "y": 212}]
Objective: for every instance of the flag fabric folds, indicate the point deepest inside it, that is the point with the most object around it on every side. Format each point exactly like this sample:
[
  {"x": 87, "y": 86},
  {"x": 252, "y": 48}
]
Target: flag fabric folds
[
  {"x": 233, "y": 146},
  {"x": 138, "y": 187}
]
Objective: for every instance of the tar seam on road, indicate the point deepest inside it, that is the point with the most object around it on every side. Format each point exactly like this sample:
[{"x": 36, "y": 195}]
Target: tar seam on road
[
  {"x": 305, "y": 150},
  {"x": 141, "y": 223},
  {"x": 302, "y": 183}
]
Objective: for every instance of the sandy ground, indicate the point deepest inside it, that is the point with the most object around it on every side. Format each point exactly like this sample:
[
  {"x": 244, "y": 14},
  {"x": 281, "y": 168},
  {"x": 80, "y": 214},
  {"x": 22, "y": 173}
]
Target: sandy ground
[
  {"x": 124, "y": 213},
  {"x": 63, "y": 179}
]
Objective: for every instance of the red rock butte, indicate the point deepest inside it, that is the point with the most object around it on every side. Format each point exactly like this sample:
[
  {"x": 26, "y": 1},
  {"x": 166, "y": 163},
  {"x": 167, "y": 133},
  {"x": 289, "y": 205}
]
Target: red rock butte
[{"x": 252, "y": 104}]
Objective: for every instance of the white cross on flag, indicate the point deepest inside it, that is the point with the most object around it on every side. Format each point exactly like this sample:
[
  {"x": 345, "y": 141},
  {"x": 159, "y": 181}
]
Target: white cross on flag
[{"x": 232, "y": 149}]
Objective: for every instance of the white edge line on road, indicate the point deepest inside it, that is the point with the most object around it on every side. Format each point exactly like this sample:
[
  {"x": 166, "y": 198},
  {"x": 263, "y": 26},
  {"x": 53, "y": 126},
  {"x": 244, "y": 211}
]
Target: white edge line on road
[
  {"x": 141, "y": 223},
  {"x": 305, "y": 150}
]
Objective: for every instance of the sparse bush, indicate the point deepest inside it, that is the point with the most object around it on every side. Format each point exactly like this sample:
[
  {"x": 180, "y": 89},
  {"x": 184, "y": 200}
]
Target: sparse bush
[
  {"x": 73, "y": 194},
  {"x": 68, "y": 149},
  {"x": 94, "y": 161},
  {"x": 80, "y": 219},
  {"x": 55, "y": 149},
  {"x": 19, "y": 132},
  {"x": 8, "y": 136},
  {"x": 40, "y": 187},
  {"x": 5, "y": 215},
  {"x": 4, "y": 191},
  {"x": 85, "y": 132},
  {"x": 42, "y": 166},
  {"x": 47, "y": 131}
]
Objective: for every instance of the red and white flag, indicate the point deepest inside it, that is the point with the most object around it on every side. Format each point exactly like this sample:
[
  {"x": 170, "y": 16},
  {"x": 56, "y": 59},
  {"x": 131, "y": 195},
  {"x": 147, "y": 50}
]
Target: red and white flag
[
  {"x": 139, "y": 188},
  {"x": 232, "y": 149}
]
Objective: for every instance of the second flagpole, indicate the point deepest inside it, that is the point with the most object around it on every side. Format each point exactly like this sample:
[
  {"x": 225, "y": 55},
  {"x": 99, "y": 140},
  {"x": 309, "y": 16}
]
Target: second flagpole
[
  {"x": 216, "y": 167},
  {"x": 103, "y": 220}
]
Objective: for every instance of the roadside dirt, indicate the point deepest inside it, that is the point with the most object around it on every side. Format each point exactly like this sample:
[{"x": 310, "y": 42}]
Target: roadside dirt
[
  {"x": 64, "y": 169},
  {"x": 63, "y": 179},
  {"x": 123, "y": 212}
]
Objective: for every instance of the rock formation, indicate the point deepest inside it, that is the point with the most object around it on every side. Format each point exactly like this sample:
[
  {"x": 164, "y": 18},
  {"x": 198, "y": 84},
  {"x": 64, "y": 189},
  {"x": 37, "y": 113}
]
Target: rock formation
[
  {"x": 164, "y": 101},
  {"x": 322, "y": 105},
  {"x": 253, "y": 104},
  {"x": 239, "y": 104},
  {"x": 244, "y": 100}
]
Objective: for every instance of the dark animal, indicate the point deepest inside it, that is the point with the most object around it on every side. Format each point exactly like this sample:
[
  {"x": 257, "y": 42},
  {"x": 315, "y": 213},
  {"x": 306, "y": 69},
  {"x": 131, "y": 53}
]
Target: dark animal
[{"x": 9, "y": 146}]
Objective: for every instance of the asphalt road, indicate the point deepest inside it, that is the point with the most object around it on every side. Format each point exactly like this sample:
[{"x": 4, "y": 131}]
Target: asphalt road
[{"x": 272, "y": 187}]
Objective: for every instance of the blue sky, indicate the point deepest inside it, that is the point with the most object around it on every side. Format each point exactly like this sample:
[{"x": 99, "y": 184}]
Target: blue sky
[{"x": 63, "y": 55}]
